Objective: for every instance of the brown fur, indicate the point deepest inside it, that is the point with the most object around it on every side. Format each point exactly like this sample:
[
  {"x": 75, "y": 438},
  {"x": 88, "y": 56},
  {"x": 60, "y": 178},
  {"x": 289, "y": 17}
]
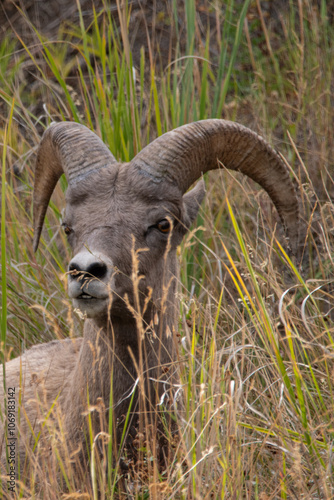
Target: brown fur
[
  {"x": 124, "y": 273},
  {"x": 106, "y": 211}
]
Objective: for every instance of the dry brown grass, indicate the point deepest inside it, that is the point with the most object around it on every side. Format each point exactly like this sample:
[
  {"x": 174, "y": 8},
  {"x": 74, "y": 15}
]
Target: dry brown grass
[{"x": 256, "y": 332}]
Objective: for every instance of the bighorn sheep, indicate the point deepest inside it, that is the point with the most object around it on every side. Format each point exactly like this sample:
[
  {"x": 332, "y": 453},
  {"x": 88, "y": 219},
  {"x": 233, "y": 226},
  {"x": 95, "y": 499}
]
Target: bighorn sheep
[{"x": 118, "y": 213}]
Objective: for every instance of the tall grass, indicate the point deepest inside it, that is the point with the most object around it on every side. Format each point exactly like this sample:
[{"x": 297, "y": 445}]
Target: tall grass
[{"x": 256, "y": 331}]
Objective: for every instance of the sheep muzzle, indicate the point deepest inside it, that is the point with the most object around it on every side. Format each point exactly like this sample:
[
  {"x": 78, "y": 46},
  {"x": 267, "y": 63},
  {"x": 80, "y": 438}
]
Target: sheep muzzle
[{"x": 90, "y": 282}]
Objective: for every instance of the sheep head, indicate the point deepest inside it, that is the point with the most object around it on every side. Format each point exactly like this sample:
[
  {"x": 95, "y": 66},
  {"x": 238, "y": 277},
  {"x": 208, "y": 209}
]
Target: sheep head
[
  {"x": 110, "y": 217},
  {"x": 113, "y": 208}
]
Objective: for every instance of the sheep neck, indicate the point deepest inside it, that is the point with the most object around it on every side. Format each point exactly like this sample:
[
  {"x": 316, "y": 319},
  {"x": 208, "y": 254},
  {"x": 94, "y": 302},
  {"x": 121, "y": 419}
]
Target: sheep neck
[{"x": 111, "y": 352}]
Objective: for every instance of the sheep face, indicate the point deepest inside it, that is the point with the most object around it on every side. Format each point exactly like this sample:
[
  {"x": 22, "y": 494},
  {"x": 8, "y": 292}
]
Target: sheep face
[{"x": 110, "y": 218}]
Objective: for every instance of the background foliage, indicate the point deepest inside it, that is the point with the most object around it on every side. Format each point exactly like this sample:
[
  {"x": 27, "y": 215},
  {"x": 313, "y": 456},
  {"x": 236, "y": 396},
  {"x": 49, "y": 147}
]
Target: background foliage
[{"x": 256, "y": 329}]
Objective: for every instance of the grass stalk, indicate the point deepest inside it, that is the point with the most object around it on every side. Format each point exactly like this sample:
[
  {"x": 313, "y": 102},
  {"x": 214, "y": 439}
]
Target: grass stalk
[{"x": 256, "y": 331}]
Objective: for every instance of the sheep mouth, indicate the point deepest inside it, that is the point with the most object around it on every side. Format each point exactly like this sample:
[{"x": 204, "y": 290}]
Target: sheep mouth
[
  {"x": 87, "y": 296},
  {"x": 90, "y": 305}
]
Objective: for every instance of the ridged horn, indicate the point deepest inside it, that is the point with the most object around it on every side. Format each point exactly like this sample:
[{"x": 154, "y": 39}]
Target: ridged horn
[
  {"x": 184, "y": 154},
  {"x": 68, "y": 148}
]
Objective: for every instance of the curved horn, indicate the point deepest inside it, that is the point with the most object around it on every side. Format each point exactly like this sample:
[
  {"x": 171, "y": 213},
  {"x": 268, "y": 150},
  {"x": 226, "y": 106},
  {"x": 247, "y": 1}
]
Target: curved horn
[
  {"x": 68, "y": 148},
  {"x": 184, "y": 154}
]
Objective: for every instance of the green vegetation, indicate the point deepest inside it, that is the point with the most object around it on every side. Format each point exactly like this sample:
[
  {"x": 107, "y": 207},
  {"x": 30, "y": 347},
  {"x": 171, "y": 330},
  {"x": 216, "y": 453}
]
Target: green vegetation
[{"x": 257, "y": 332}]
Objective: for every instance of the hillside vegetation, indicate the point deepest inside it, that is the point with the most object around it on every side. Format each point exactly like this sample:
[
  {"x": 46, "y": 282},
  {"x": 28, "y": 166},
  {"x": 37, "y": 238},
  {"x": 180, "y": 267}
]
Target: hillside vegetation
[{"x": 256, "y": 328}]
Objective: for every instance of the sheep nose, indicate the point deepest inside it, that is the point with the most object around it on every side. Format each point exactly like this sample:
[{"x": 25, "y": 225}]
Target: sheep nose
[
  {"x": 96, "y": 270},
  {"x": 86, "y": 265}
]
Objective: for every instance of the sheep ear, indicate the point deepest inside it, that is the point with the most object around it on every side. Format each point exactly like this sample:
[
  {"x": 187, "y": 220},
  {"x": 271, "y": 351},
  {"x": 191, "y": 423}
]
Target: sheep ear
[{"x": 191, "y": 203}]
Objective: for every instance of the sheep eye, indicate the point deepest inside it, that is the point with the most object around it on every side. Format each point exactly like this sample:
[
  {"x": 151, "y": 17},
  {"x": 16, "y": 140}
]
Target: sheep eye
[
  {"x": 164, "y": 226},
  {"x": 67, "y": 229}
]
